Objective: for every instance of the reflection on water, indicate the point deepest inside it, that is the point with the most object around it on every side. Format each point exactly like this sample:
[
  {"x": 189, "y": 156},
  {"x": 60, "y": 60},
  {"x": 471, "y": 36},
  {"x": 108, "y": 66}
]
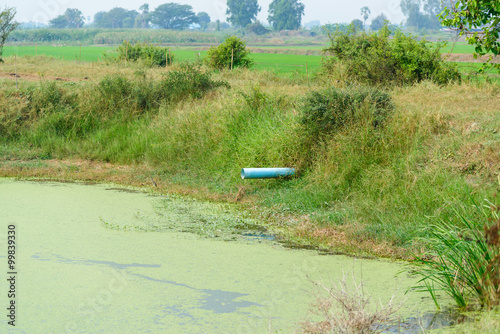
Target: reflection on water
[{"x": 217, "y": 301}]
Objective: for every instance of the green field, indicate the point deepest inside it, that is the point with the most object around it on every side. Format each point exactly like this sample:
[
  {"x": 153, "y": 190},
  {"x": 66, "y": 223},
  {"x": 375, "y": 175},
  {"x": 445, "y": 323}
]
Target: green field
[
  {"x": 459, "y": 47},
  {"x": 271, "y": 61},
  {"x": 85, "y": 53}
]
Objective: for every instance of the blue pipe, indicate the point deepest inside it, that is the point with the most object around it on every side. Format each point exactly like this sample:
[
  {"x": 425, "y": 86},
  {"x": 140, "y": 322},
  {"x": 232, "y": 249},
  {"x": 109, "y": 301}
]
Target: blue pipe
[{"x": 266, "y": 173}]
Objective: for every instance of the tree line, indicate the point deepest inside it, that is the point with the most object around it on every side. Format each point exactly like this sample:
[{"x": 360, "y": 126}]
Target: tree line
[{"x": 283, "y": 15}]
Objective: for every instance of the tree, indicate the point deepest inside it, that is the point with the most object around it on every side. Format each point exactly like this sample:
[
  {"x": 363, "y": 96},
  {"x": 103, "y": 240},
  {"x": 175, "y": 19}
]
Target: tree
[
  {"x": 72, "y": 18},
  {"x": 365, "y": 13},
  {"x": 357, "y": 24},
  {"x": 411, "y": 9},
  {"x": 115, "y": 18},
  {"x": 203, "y": 20},
  {"x": 142, "y": 20},
  {"x": 173, "y": 16},
  {"x": 479, "y": 21},
  {"x": 379, "y": 22},
  {"x": 232, "y": 52},
  {"x": 427, "y": 18},
  {"x": 285, "y": 14},
  {"x": 242, "y": 12},
  {"x": 7, "y": 25}
]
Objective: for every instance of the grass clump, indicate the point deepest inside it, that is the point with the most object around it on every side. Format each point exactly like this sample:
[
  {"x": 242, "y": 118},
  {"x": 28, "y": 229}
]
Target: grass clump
[
  {"x": 378, "y": 59},
  {"x": 151, "y": 55},
  {"x": 327, "y": 111},
  {"x": 465, "y": 261}
]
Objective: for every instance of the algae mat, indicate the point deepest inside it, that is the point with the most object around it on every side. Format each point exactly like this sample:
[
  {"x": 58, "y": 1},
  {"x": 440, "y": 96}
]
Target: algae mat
[{"x": 74, "y": 274}]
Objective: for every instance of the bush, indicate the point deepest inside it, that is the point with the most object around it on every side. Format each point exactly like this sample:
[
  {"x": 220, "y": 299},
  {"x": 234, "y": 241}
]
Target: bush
[
  {"x": 152, "y": 55},
  {"x": 232, "y": 51},
  {"x": 377, "y": 59},
  {"x": 327, "y": 111}
]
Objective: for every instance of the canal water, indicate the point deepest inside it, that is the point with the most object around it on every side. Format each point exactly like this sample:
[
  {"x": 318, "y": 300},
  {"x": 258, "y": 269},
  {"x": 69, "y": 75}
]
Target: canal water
[{"x": 104, "y": 259}]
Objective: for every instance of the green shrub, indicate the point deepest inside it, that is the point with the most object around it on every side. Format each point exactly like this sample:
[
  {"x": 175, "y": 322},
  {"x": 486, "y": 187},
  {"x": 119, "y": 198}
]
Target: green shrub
[
  {"x": 329, "y": 110},
  {"x": 232, "y": 51},
  {"x": 377, "y": 59},
  {"x": 152, "y": 55}
]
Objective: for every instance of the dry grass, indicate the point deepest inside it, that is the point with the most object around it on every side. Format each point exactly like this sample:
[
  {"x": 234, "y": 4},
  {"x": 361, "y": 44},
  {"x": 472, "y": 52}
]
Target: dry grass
[{"x": 346, "y": 309}]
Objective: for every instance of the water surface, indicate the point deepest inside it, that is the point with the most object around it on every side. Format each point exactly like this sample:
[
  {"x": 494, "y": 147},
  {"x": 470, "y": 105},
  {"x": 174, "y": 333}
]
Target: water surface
[{"x": 95, "y": 259}]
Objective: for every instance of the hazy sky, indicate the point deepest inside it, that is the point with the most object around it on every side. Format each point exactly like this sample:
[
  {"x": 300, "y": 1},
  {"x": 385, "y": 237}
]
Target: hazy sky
[{"x": 324, "y": 11}]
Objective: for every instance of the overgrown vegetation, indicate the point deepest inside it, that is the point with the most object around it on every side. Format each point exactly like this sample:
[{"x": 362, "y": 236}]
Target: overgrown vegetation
[
  {"x": 330, "y": 110},
  {"x": 47, "y": 110},
  {"x": 464, "y": 261},
  {"x": 379, "y": 59}
]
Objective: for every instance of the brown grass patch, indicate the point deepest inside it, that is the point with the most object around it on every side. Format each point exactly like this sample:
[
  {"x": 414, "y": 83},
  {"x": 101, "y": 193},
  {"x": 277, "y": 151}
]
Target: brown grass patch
[{"x": 468, "y": 58}]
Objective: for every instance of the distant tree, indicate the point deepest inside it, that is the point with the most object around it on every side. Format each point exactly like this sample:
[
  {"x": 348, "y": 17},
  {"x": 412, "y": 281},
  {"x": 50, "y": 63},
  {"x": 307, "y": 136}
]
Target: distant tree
[
  {"x": 59, "y": 22},
  {"x": 411, "y": 9},
  {"x": 432, "y": 9},
  {"x": 357, "y": 24},
  {"x": 422, "y": 13},
  {"x": 7, "y": 25},
  {"x": 173, "y": 16},
  {"x": 203, "y": 20},
  {"x": 115, "y": 18},
  {"x": 142, "y": 20},
  {"x": 365, "y": 14},
  {"x": 242, "y": 12},
  {"x": 379, "y": 22},
  {"x": 285, "y": 14},
  {"x": 471, "y": 16},
  {"x": 72, "y": 18}
]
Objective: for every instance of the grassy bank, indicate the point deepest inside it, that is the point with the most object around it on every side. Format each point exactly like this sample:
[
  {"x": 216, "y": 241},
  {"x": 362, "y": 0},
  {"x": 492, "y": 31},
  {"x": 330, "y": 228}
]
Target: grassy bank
[{"x": 361, "y": 190}]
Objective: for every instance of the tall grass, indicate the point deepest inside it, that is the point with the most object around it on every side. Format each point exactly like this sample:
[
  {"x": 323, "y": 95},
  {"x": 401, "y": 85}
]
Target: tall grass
[{"x": 465, "y": 261}]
